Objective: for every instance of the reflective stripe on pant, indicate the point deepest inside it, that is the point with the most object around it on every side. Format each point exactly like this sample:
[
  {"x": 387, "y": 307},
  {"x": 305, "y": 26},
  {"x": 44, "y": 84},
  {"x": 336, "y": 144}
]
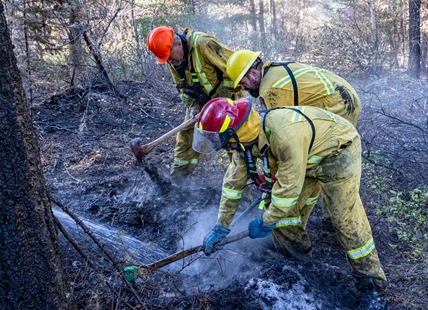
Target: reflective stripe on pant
[{"x": 292, "y": 235}]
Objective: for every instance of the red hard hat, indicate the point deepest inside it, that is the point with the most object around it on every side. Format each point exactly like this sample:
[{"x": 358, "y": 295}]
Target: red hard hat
[
  {"x": 160, "y": 41},
  {"x": 218, "y": 122},
  {"x": 220, "y": 114}
]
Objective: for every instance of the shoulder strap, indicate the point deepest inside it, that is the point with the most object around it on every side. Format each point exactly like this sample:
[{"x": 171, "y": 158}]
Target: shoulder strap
[
  {"x": 292, "y": 78},
  {"x": 264, "y": 113}
]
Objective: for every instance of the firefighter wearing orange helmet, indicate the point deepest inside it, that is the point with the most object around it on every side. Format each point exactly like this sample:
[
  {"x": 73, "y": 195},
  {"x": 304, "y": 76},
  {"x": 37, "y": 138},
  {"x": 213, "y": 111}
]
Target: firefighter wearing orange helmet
[
  {"x": 294, "y": 144},
  {"x": 294, "y": 84},
  {"x": 197, "y": 62}
]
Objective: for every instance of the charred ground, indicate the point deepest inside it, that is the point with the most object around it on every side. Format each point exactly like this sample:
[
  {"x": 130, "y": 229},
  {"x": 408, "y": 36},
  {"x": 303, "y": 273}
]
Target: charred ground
[{"x": 89, "y": 167}]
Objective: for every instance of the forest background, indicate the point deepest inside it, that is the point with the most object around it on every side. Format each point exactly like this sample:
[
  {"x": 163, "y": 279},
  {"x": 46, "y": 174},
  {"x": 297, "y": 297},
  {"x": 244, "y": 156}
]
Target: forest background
[{"x": 379, "y": 46}]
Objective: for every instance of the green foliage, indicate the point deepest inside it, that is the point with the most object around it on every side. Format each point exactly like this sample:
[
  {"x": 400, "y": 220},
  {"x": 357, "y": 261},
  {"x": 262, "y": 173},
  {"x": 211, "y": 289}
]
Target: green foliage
[
  {"x": 407, "y": 214},
  {"x": 405, "y": 210}
]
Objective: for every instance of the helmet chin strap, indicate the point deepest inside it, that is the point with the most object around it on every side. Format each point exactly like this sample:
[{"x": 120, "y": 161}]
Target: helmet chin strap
[
  {"x": 265, "y": 183},
  {"x": 240, "y": 145}
]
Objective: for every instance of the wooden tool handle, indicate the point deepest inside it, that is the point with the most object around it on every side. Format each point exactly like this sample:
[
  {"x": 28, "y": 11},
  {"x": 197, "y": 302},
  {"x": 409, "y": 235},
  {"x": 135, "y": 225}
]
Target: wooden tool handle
[
  {"x": 149, "y": 146},
  {"x": 179, "y": 255}
]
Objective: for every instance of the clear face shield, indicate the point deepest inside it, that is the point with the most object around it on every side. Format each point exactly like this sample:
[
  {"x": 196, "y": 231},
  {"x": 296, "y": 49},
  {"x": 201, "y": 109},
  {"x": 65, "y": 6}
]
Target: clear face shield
[{"x": 206, "y": 142}]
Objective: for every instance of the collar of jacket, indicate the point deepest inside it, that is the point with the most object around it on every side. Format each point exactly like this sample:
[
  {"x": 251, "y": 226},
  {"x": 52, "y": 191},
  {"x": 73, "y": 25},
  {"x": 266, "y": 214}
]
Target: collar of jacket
[
  {"x": 265, "y": 65},
  {"x": 189, "y": 39}
]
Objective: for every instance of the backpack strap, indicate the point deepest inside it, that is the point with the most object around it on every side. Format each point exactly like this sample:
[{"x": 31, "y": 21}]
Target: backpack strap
[{"x": 291, "y": 75}]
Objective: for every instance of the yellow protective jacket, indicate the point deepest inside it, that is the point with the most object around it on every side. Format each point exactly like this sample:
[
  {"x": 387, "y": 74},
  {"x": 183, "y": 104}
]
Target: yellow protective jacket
[
  {"x": 315, "y": 87},
  {"x": 206, "y": 55},
  {"x": 288, "y": 136}
]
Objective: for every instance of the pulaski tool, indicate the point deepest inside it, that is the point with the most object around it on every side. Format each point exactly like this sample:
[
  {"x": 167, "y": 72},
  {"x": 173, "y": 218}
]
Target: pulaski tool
[
  {"x": 142, "y": 150},
  {"x": 182, "y": 254}
]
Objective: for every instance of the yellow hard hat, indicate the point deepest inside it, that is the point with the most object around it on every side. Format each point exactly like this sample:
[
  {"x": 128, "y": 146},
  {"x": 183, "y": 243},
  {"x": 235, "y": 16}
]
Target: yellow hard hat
[{"x": 239, "y": 63}]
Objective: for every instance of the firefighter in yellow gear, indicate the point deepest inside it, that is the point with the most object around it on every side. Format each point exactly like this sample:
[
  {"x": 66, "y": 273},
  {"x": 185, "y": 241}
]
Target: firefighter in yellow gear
[
  {"x": 293, "y": 84},
  {"x": 296, "y": 144},
  {"x": 280, "y": 84},
  {"x": 197, "y": 62}
]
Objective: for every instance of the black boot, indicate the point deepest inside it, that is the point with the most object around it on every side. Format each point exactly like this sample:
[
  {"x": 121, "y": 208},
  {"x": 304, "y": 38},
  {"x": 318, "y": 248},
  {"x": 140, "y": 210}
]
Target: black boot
[{"x": 371, "y": 299}]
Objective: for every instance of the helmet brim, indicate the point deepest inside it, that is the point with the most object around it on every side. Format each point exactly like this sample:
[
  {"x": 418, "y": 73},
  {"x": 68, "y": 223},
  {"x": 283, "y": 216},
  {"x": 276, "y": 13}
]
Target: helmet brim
[{"x": 164, "y": 59}]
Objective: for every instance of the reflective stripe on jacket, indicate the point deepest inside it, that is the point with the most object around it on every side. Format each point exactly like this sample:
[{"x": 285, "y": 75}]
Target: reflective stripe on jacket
[
  {"x": 207, "y": 53},
  {"x": 316, "y": 87}
]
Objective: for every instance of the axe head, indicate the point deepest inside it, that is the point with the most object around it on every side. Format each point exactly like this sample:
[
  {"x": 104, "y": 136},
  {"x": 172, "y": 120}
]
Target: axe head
[{"x": 136, "y": 148}]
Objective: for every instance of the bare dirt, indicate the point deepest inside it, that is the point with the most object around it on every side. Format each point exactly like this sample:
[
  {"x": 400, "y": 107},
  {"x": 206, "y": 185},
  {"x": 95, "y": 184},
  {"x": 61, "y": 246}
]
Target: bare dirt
[{"x": 89, "y": 167}]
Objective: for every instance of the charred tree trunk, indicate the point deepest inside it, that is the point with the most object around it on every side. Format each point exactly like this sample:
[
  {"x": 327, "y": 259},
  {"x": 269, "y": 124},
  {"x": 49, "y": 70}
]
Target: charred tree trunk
[
  {"x": 31, "y": 274},
  {"x": 415, "y": 38}
]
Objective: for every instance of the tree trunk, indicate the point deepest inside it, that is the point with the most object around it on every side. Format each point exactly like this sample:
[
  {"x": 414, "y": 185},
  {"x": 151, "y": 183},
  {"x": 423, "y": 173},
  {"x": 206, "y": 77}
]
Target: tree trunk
[
  {"x": 76, "y": 48},
  {"x": 27, "y": 58},
  {"x": 373, "y": 60},
  {"x": 31, "y": 274},
  {"x": 424, "y": 52},
  {"x": 403, "y": 33},
  {"x": 415, "y": 38},
  {"x": 137, "y": 40},
  {"x": 265, "y": 47},
  {"x": 253, "y": 18},
  {"x": 298, "y": 47},
  {"x": 274, "y": 21}
]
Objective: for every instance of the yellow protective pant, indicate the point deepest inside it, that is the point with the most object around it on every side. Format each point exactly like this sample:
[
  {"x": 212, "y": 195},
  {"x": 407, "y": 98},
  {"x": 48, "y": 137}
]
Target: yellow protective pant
[
  {"x": 345, "y": 103},
  {"x": 185, "y": 158},
  {"x": 339, "y": 175}
]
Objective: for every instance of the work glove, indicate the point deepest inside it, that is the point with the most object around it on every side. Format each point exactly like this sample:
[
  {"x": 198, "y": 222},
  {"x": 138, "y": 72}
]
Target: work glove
[
  {"x": 214, "y": 237},
  {"x": 258, "y": 229}
]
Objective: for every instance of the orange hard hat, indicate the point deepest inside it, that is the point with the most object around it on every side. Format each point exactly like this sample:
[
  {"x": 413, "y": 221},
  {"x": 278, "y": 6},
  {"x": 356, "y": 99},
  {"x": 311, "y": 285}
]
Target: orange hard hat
[{"x": 160, "y": 41}]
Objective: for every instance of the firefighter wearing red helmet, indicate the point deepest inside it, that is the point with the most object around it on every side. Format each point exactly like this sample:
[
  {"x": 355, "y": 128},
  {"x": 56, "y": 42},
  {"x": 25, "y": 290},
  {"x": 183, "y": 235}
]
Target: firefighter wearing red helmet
[
  {"x": 295, "y": 143},
  {"x": 197, "y": 62}
]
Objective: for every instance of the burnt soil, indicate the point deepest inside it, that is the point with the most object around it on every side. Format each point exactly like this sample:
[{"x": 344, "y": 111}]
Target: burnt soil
[{"x": 90, "y": 168}]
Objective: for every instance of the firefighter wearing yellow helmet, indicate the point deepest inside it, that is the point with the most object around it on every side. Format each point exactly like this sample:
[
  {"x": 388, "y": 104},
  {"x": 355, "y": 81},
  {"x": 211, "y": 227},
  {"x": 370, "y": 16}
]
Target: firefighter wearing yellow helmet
[
  {"x": 294, "y": 143},
  {"x": 197, "y": 62},
  {"x": 294, "y": 84}
]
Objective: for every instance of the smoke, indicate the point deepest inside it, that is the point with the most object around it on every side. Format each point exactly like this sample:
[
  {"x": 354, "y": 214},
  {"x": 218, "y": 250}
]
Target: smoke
[{"x": 221, "y": 267}]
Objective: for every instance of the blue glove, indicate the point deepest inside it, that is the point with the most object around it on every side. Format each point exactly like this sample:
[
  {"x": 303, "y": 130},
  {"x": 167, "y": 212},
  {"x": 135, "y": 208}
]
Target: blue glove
[
  {"x": 214, "y": 237},
  {"x": 258, "y": 229}
]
